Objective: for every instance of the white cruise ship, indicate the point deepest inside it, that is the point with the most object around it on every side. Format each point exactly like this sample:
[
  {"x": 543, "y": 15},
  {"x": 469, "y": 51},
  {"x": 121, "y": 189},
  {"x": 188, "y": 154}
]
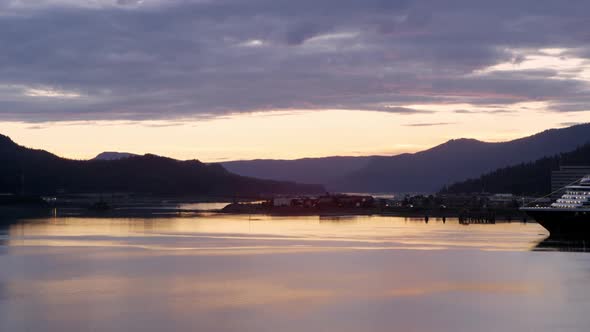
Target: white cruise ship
[{"x": 570, "y": 214}]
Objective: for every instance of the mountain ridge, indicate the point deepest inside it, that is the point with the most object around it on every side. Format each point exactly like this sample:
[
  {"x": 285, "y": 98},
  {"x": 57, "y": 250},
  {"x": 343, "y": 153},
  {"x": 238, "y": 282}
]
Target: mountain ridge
[
  {"x": 46, "y": 173},
  {"x": 113, "y": 155},
  {"x": 422, "y": 171},
  {"x": 531, "y": 178}
]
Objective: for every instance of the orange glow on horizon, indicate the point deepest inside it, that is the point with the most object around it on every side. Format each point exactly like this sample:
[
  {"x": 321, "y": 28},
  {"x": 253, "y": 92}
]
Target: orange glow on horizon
[{"x": 286, "y": 134}]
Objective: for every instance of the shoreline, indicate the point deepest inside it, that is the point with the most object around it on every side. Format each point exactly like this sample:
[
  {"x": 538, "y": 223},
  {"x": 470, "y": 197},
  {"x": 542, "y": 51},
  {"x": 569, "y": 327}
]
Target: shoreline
[
  {"x": 32, "y": 212},
  {"x": 489, "y": 214}
]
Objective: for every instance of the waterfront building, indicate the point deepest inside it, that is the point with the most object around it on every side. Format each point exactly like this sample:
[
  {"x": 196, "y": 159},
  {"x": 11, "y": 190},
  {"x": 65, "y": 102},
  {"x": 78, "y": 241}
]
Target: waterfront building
[
  {"x": 566, "y": 175},
  {"x": 282, "y": 201},
  {"x": 503, "y": 200}
]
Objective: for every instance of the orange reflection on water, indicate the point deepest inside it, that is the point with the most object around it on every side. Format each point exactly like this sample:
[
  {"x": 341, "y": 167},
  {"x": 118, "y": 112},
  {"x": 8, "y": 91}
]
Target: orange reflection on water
[
  {"x": 237, "y": 273},
  {"x": 263, "y": 234}
]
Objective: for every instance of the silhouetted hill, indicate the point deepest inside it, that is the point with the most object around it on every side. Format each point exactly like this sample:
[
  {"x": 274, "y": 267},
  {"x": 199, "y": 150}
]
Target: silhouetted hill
[
  {"x": 309, "y": 170},
  {"x": 425, "y": 171},
  {"x": 45, "y": 173},
  {"x": 461, "y": 159},
  {"x": 110, "y": 155},
  {"x": 532, "y": 178}
]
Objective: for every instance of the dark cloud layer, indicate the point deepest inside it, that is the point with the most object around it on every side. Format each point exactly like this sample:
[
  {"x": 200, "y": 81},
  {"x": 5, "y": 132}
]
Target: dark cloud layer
[{"x": 135, "y": 60}]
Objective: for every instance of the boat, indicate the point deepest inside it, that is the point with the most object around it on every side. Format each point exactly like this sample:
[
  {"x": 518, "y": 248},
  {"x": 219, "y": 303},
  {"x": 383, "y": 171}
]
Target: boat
[{"x": 569, "y": 215}]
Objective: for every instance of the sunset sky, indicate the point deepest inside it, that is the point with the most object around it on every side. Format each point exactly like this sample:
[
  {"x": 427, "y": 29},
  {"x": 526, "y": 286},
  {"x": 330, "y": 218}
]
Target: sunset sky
[{"x": 241, "y": 79}]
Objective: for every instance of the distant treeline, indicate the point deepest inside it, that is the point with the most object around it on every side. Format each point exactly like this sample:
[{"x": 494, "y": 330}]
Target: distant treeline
[{"x": 532, "y": 178}]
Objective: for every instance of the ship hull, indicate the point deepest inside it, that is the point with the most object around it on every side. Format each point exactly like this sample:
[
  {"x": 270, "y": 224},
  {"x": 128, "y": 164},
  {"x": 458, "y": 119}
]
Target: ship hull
[{"x": 563, "y": 223}]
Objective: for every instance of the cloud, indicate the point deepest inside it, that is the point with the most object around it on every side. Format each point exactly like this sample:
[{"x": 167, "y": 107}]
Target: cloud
[
  {"x": 570, "y": 124},
  {"x": 154, "y": 60},
  {"x": 402, "y": 110},
  {"x": 432, "y": 124},
  {"x": 36, "y": 127},
  {"x": 487, "y": 111},
  {"x": 49, "y": 93},
  {"x": 129, "y": 2}
]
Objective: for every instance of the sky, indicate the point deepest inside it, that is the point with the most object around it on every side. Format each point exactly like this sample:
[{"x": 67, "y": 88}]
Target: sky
[{"x": 220, "y": 80}]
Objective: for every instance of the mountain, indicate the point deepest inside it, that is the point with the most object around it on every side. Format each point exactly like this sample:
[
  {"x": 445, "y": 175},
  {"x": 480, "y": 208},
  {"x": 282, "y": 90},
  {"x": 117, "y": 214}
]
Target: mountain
[
  {"x": 425, "y": 171},
  {"x": 45, "y": 173},
  {"x": 461, "y": 159},
  {"x": 531, "y": 178},
  {"x": 110, "y": 155},
  {"x": 309, "y": 170}
]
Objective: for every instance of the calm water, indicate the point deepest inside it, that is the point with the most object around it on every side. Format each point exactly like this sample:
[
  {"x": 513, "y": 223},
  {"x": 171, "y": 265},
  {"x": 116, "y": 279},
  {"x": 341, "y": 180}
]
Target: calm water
[{"x": 241, "y": 273}]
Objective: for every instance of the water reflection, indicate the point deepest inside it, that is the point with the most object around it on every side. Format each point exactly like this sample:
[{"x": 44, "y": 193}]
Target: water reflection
[
  {"x": 4, "y": 227},
  {"x": 6, "y": 222},
  {"x": 237, "y": 234},
  {"x": 232, "y": 273},
  {"x": 338, "y": 219},
  {"x": 563, "y": 244},
  {"x": 203, "y": 206}
]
